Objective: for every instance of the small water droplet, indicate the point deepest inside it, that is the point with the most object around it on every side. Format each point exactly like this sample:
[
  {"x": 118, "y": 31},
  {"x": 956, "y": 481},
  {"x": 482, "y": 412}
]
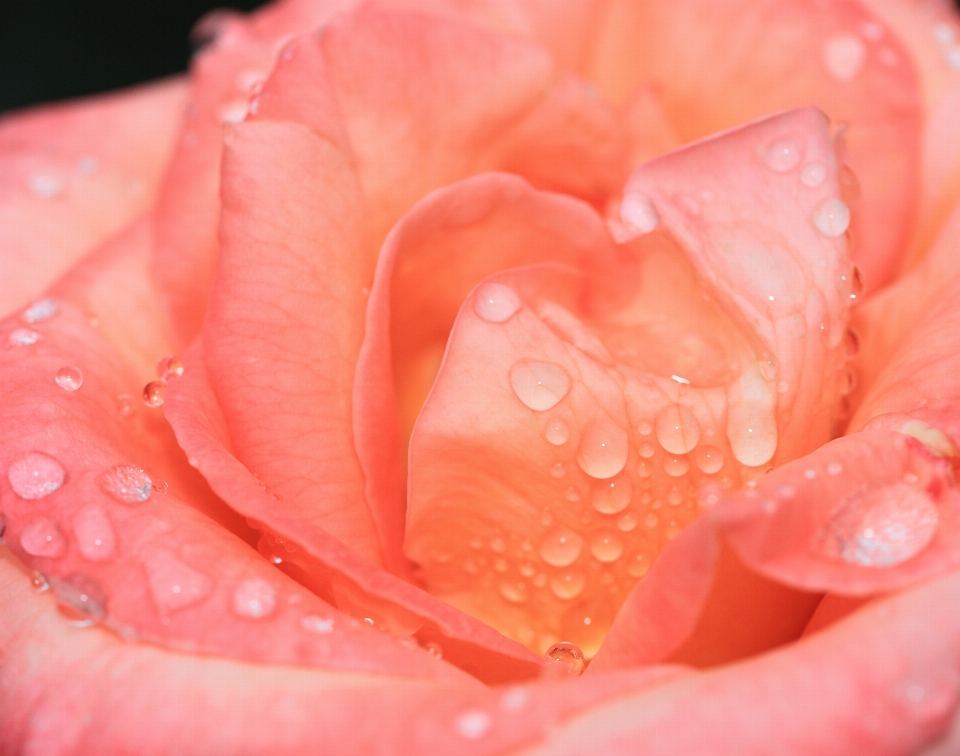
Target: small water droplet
[
  {"x": 834, "y": 468},
  {"x": 709, "y": 459},
  {"x": 606, "y": 545},
  {"x": 94, "y": 533},
  {"x": 234, "y": 111},
  {"x": 677, "y": 429},
  {"x": 514, "y": 699},
  {"x": 564, "y": 660},
  {"x": 43, "y": 538},
  {"x": 644, "y": 469},
  {"x": 783, "y": 155},
  {"x": 881, "y": 527},
  {"x": 319, "y": 625},
  {"x": 171, "y": 365},
  {"x": 603, "y": 448},
  {"x": 473, "y": 724},
  {"x": 560, "y": 546},
  {"x": 160, "y": 486},
  {"x": 785, "y": 491},
  {"x": 813, "y": 174},
  {"x": 676, "y": 466},
  {"x": 558, "y": 470},
  {"x": 514, "y": 592},
  {"x": 39, "y": 582},
  {"x": 126, "y": 483},
  {"x": 496, "y": 303},
  {"x": 254, "y": 598},
  {"x": 46, "y": 185},
  {"x": 646, "y": 450},
  {"x": 434, "y": 649},
  {"x": 571, "y": 494},
  {"x": 809, "y": 474},
  {"x": 645, "y": 428},
  {"x": 69, "y": 378},
  {"x": 844, "y": 56},
  {"x": 539, "y": 385},
  {"x": 651, "y": 520},
  {"x": 675, "y": 496},
  {"x": 23, "y": 337},
  {"x": 832, "y": 218},
  {"x": 35, "y": 475},
  {"x": 638, "y": 213},
  {"x": 627, "y": 522},
  {"x": 42, "y": 309},
  {"x": 154, "y": 393},
  {"x": 173, "y": 584},
  {"x": 567, "y": 585},
  {"x": 611, "y": 496},
  {"x": 556, "y": 432}
]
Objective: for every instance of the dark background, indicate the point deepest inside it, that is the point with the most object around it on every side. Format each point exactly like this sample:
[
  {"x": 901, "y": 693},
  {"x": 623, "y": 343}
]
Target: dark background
[{"x": 52, "y": 49}]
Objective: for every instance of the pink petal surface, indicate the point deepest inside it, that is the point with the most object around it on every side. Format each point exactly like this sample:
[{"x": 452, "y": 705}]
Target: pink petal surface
[{"x": 74, "y": 174}]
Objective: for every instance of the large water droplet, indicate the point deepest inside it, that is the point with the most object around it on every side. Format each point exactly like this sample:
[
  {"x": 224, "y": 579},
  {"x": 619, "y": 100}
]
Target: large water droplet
[
  {"x": 606, "y": 545},
  {"x": 844, "y": 56},
  {"x": 677, "y": 429},
  {"x": 832, "y": 217},
  {"x": 564, "y": 660},
  {"x": 783, "y": 155},
  {"x": 319, "y": 625},
  {"x": 254, "y": 598},
  {"x": 539, "y": 385},
  {"x": 709, "y": 459},
  {"x": 43, "y": 538},
  {"x": 882, "y": 527},
  {"x": 35, "y": 475},
  {"x": 473, "y": 724},
  {"x": 560, "y": 546},
  {"x": 23, "y": 337},
  {"x": 69, "y": 378},
  {"x": 638, "y": 213},
  {"x": 496, "y": 303},
  {"x": 94, "y": 533},
  {"x": 126, "y": 483},
  {"x": 567, "y": 585},
  {"x": 813, "y": 174},
  {"x": 611, "y": 496},
  {"x": 42, "y": 309},
  {"x": 154, "y": 393},
  {"x": 173, "y": 584},
  {"x": 556, "y": 431},
  {"x": 676, "y": 466},
  {"x": 603, "y": 448}
]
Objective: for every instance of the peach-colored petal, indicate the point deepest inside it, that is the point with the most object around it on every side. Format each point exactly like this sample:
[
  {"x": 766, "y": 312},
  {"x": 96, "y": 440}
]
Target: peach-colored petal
[{"x": 74, "y": 174}]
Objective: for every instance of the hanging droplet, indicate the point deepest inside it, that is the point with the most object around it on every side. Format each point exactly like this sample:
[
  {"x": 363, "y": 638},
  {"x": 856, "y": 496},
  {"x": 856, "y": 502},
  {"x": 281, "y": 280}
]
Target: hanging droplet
[
  {"x": 319, "y": 625},
  {"x": 638, "y": 213},
  {"x": 154, "y": 393},
  {"x": 22, "y": 337},
  {"x": 611, "y": 496},
  {"x": 69, "y": 378},
  {"x": 94, "y": 533},
  {"x": 514, "y": 592},
  {"x": 677, "y": 429},
  {"x": 473, "y": 724},
  {"x": 627, "y": 522},
  {"x": 35, "y": 475},
  {"x": 126, "y": 483},
  {"x": 171, "y": 365},
  {"x": 709, "y": 459},
  {"x": 42, "y": 309},
  {"x": 560, "y": 546},
  {"x": 676, "y": 466},
  {"x": 556, "y": 432},
  {"x": 881, "y": 527},
  {"x": 844, "y": 56},
  {"x": 564, "y": 660},
  {"x": 606, "y": 545},
  {"x": 832, "y": 218},
  {"x": 496, "y": 303},
  {"x": 813, "y": 174},
  {"x": 783, "y": 155},
  {"x": 254, "y": 598},
  {"x": 43, "y": 538},
  {"x": 539, "y": 385},
  {"x": 603, "y": 448},
  {"x": 567, "y": 585}
]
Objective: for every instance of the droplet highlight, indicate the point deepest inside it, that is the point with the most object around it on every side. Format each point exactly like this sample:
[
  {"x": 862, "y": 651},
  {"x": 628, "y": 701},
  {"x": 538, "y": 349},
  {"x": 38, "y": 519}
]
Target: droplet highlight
[
  {"x": 318, "y": 625},
  {"x": 496, "y": 303},
  {"x": 23, "y": 337},
  {"x": 69, "y": 378},
  {"x": 565, "y": 660},
  {"x": 539, "y": 385},
  {"x": 606, "y": 545},
  {"x": 126, "y": 483},
  {"x": 832, "y": 218},
  {"x": 154, "y": 393},
  {"x": 557, "y": 432},
  {"x": 35, "y": 475},
  {"x": 603, "y": 448}
]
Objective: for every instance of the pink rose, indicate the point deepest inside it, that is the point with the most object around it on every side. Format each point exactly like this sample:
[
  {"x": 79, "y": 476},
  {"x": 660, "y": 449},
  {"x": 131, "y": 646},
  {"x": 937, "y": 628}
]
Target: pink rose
[{"x": 514, "y": 336}]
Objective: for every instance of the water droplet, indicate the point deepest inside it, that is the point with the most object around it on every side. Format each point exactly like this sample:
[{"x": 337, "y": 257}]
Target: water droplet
[
  {"x": 567, "y": 585},
  {"x": 809, "y": 474},
  {"x": 785, "y": 491},
  {"x": 627, "y": 522},
  {"x": 651, "y": 520},
  {"x": 23, "y": 337},
  {"x": 844, "y": 56},
  {"x": 783, "y": 155},
  {"x": 644, "y": 469},
  {"x": 515, "y": 593},
  {"x": 834, "y": 468},
  {"x": 677, "y": 429},
  {"x": 557, "y": 432},
  {"x": 611, "y": 496},
  {"x": 42, "y": 309},
  {"x": 606, "y": 545},
  {"x": 154, "y": 393},
  {"x": 498, "y": 545},
  {"x": 564, "y": 660},
  {"x": 35, "y": 475},
  {"x": 539, "y": 385},
  {"x": 646, "y": 450},
  {"x": 43, "y": 538},
  {"x": 832, "y": 218},
  {"x": 560, "y": 546},
  {"x": 603, "y": 448},
  {"x": 571, "y": 494},
  {"x": 319, "y": 625},
  {"x": 709, "y": 459},
  {"x": 514, "y": 699},
  {"x": 94, "y": 533},
  {"x": 676, "y": 466},
  {"x": 160, "y": 486},
  {"x": 881, "y": 527},
  {"x": 126, "y": 483},
  {"x": 558, "y": 470},
  {"x": 171, "y": 365},
  {"x": 434, "y": 649},
  {"x": 496, "y": 303},
  {"x": 173, "y": 584},
  {"x": 638, "y": 213},
  {"x": 813, "y": 174},
  {"x": 675, "y": 496},
  {"x": 69, "y": 378},
  {"x": 46, "y": 185},
  {"x": 254, "y": 598},
  {"x": 645, "y": 428},
  {"x": 80, "y": 597},
  {"x": 39, "y": 582},
  {"x": 474, "y": 724}
]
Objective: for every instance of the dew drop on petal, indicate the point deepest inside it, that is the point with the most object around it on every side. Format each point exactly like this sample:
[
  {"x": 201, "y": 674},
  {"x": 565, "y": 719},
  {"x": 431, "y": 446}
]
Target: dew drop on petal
[
  {"x": 94, "y": 533},
  {"x": 603, "y": 448},
  {"x": 39, "y": 582},
  {"x": 514, "y": 592},
  {"x": 567, "y": 585},
  {"x": 813, "y": 174},
  {"x": 627, "y": 522},
  {"x": 46, "y": 185},
  {"x": 611, "y": 496},
  {"x": 80, "y": 597},
  {"x": 171, "y": 365},
  {"x": 832, "y": 218},
  {"x": 646, "y": 450},
  {"x": 254, "y": 598},
  {"x": 43, "y": 538},
  {"x": 42, "y": 309},
  {"x": 558, "y": 470},
  {"x": 173, "y": 584},
  {"x": 783, "y": 155},
  {"x": 495, "y": 302},
  {"x": 564, "y": 660},
  {"x": 645, "y": 428},
  {"x": 638, "y": 213},
  {"x": 154, "y": 393},
  {"x": 834, "y": 468},
  {"x": 473, "y": 724},
  {"x": 514, "y": 699},
  {"x": 709, "y": 459},
  {"x": 23, "y": 337},
  {"x": 677, "y": 429},
  {"x": 126, "y": 483},
  {"x": 556, "y": 431},
  {"x": 606, "y": 545},
  {"x": 35, "y": 475},
  {"x": 318, "y": 625},
  {"x": 676, "y": 466},
  {"x": 844, "y": 56},
  {"x": 560, "y": 546},
  {"x": 539, "y": 385},
  {"x": 69, "y": 378}
]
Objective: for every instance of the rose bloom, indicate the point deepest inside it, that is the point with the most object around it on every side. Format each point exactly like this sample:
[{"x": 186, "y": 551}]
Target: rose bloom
[{"x": 490, "y": 376}]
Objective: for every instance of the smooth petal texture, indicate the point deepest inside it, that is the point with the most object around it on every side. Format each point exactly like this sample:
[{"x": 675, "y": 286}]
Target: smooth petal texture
[
  {"x": 739, "y": 62},
  {"x": 74, "y": 174}
]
